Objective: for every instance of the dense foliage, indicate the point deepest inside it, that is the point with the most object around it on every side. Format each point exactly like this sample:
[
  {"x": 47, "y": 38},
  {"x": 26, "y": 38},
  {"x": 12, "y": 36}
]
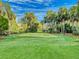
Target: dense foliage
[
  {"x": 64, "y": 21},
  {"x": 3, "y": 24},
  {"x": 31, "y": 21}
]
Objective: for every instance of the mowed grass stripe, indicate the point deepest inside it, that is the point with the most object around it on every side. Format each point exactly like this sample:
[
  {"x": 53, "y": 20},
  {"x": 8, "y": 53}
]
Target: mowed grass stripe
[{"x": 39, "y": 46}]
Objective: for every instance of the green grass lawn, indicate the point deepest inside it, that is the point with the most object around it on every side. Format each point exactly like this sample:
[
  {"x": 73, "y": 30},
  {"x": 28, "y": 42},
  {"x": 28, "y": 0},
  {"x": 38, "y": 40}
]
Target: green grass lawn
[{"x": 39, "y": 46}]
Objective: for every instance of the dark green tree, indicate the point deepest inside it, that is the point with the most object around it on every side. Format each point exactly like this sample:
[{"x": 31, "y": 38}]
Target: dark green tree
[
  {"x": 62, "y": 17},
  {"x": 3, "y": 24},
  {"x": 31, "y": 21}
]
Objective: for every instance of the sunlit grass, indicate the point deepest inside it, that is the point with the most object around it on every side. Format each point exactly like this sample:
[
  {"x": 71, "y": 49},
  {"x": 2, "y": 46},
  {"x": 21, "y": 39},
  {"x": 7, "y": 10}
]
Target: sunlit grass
[{"x": 39, "y": 46}]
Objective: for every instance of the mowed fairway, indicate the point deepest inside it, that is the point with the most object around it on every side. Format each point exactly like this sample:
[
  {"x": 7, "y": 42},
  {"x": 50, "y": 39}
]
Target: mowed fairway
[{"x": 39, "y": 46}]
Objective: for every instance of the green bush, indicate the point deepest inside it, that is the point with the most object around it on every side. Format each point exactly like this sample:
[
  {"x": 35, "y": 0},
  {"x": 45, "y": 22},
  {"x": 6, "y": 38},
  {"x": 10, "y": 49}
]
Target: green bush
[
  {"x": 59, "y": 28},
  {"x": 33, "y": 28},
  {"x": 50, "y": 30},
  {"x": 68, "y": 28},
  {"x": 76, "y": 31},
  {"x": 3, "y": 24}
]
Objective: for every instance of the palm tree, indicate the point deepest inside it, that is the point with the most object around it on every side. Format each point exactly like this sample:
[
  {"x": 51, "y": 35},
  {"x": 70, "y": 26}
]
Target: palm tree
[
  {"x": 62, "y": 17},
  {"x": 8, "y": 11},
  {"x": 50, "y": 16},
  {"x": 30, "y": 19},
  {"x": 11, "y": 18},
  {"x": 50, "y": 19},
  {"x": 0, "y": 3},
  {"x": 78, "y": 9},
  {"x": 1, "y": 8},
  {"x": 73, "y": 15}
]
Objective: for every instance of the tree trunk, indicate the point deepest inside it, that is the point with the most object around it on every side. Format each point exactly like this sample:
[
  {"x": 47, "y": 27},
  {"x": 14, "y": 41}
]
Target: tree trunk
[
  {"x": 63, "y": 27},
  {"x": 72, "y": 25}
]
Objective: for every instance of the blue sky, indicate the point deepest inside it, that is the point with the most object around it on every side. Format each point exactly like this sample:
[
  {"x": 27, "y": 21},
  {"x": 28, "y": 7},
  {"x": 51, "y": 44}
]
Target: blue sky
[{"x": 39, "y": 7}]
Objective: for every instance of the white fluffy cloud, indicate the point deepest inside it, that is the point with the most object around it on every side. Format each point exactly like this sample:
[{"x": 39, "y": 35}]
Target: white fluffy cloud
[
  {"x": 38, "y": 6},
  {"x": 29, "y": 0},
  {"x": 18, "y": 0},
  {"x": 40, "y": 0}
]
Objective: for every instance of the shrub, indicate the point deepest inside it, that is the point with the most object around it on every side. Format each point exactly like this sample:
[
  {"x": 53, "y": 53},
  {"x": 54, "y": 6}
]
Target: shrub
[
  {"x": 50, "y": 30},
  {"x": 33, "y": 28},
  {"x": 3, "y": 24},
  {"x": 68, "y": 28},
  {"x": 76, "y": 31},
  {"x": 58, "y": 28}
]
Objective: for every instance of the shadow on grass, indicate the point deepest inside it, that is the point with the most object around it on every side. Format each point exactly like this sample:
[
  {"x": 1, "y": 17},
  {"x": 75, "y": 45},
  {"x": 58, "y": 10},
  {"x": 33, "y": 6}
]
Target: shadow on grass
[
  {"x": 20, "y": 37},
  {"x": 76, "y": 41}
]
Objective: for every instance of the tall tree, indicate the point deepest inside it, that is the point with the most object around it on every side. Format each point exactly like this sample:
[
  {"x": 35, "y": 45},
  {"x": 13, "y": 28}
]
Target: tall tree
[
  {"x": 8, "y": 11},
  {"x": 3, "y": 24},
  {"x": 50, "y": 15},
  {"x": 62, "y": 15},
  {"x": 1, "y": 7},
  {"x": 50, "y": 20},
  {"x": 73, "y": 15},
  {"x": 13, "y": 27},
  {"x": 78, "y": 10},
  {"x": 3, "y": 20},
  {"x": 31, "y": 20},
  {"x": 0, "y": 3}
]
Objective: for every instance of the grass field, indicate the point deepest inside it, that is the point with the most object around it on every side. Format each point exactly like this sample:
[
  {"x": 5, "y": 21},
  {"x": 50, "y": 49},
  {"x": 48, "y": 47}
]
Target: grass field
[{"x": 39, "y": 46}]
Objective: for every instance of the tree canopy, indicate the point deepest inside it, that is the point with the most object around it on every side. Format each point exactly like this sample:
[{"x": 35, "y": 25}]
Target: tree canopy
[{"x": 3, "y": 23}]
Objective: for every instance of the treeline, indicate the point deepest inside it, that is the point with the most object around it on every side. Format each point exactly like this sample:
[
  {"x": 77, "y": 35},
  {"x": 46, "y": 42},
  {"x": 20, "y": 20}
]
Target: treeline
[
  {"x": 63, "y": 21},
  {"x": 7, "y": 19},
  {"x": 29, "y": 23}
]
